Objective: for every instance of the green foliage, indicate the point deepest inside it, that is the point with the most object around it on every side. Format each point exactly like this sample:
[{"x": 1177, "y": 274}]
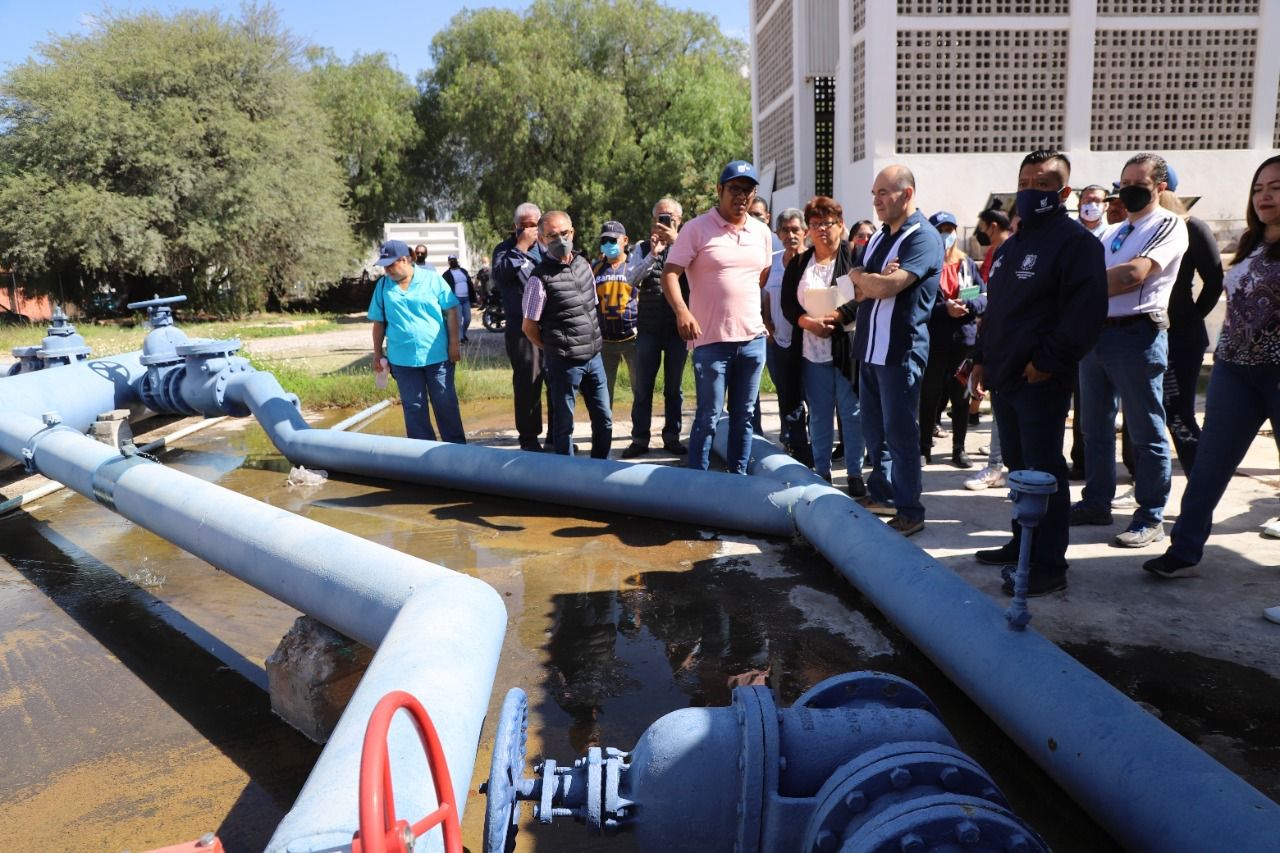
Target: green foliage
[
  {"x": 373, "y": 127},
  {"x": 180, "y": 154},
  {"x": 600, "y": 107}
]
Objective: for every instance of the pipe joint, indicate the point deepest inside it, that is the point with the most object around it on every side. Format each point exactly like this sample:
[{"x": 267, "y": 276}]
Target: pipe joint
[
  {"x": 106, "y": 475},
  {"x": 52, "y": 423},
  {"x": 208, "y": 368}
]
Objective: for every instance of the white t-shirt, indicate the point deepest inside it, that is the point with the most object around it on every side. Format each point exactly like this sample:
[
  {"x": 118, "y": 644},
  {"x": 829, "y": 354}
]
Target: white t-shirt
[
  {"x": 816, "y": 276},
  {"x": 1161, "y": 235}
]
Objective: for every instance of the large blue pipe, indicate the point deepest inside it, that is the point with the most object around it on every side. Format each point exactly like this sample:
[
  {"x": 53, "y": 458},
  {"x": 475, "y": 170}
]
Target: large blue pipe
[
  {"x": 449, "y": 626},
  {"x": 656, "y": 491}
]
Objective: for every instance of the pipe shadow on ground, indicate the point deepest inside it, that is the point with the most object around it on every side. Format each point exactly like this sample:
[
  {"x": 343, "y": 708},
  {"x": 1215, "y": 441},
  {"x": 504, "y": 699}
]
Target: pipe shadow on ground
[
  {"x": 620, "y": 659},
  {"x": 128, "y": 622}
]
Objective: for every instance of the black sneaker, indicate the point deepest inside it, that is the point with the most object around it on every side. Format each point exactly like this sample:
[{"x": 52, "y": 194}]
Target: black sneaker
[
  {"x": 960, "y": 459},
  {"x": 1037, "y": 586},
  {"x": 675, "y": 447},
  {"x": 1082, "y": 514},
  {"x": 856, "y": 487},
  {"x": 533, "y": 447},
  {"x": 838, "y": 452},
  {"x": 632, "y": 450},
  {"x": 1005, "y": 555},
  {"x": 1169, "y": 567}
]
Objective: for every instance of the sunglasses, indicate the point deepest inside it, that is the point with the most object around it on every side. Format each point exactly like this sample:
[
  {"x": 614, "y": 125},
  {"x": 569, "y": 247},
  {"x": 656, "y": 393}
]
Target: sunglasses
[{"x": 608, "y": 241}]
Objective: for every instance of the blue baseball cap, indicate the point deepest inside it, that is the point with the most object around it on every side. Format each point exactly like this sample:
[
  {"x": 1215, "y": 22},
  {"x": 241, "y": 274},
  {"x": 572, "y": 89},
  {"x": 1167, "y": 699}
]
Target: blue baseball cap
[
  {"x": 738, "y": 169},
  {"x": 1172, "y": 180},
  {"x": 392, "y": 251},
  {"x": 943, "y": 218}
]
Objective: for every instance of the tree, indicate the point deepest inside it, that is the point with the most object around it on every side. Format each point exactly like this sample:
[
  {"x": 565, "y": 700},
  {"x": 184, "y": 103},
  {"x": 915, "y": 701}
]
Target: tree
[
  {"x": 170, "y": 154},
  {"x": 374, "y": 129},
  {"x": 599, "y": 107}
]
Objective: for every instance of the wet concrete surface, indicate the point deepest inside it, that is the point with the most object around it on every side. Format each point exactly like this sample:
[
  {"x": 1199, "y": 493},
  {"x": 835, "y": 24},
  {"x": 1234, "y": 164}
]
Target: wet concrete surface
[{"x": 123, "y": 730}]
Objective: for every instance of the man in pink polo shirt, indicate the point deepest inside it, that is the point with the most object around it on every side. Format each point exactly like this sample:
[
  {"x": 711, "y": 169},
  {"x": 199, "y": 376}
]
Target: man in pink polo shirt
[{"x": 725, "y": 255}]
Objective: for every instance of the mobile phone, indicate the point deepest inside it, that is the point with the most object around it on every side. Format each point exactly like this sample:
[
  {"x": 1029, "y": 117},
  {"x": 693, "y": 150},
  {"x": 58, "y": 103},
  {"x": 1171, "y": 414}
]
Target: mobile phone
[{"x": 664, "y": 219}]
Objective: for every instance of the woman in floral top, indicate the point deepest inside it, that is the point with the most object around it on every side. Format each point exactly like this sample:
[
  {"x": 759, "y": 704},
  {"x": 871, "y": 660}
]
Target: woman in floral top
[{"x": 1244, "y": 388}]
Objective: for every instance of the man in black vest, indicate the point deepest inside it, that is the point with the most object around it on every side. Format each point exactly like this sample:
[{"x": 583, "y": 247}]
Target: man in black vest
[{"x": 561, "y": 319}]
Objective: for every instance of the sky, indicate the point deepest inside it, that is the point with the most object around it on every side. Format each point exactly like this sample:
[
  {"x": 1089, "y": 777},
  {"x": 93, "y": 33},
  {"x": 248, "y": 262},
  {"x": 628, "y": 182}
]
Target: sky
[{"x": 347, "y": 27}]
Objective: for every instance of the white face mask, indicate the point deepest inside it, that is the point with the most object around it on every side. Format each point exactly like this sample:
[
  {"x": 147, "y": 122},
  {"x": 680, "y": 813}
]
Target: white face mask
[{"x": 1092, "y": 211}]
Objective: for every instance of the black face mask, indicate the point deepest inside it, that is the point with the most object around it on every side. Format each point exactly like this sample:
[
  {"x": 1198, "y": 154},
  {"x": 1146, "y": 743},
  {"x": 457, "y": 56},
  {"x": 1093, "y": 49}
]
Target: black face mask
[
  {"x": 1135, "y": 198},
  {"x": 983, "y": 238}
]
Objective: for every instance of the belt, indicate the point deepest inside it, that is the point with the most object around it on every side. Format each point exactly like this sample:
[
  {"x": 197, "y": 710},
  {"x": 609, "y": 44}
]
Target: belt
[{"x": 1127, "y": 320}]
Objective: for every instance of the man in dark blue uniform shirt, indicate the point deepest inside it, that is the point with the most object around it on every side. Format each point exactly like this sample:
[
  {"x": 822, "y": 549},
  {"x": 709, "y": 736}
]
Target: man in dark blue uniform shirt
[
  {"x": 1046, "y": 304},
  {"x": 894, "y": 292}
]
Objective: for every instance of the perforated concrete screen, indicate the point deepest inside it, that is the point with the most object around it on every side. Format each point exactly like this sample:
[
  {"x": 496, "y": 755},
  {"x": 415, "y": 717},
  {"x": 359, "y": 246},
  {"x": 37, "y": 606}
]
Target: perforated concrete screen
[
  {"x": 1172, "y": 89},
  {"x": 774, "y": 54},
  {"x": 984, "y": 7},
  {"x": 982, "y": 90},
  {"x": 824, "y": 133},
  {"x": 858, "y": 103},
  {"x": 859, "y": 15},
  {"x": 1113, "y": 8},
  {"x": 777, "y": 144}
]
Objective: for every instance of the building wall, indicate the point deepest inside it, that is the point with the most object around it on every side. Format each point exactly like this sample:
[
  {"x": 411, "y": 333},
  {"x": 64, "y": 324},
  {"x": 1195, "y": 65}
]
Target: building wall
[{"x": 960, "y": 90}]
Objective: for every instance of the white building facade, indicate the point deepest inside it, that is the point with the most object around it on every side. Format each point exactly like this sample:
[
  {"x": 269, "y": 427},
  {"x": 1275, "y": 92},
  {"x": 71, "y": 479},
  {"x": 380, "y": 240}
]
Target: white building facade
[{"x": 960, "y": 90}]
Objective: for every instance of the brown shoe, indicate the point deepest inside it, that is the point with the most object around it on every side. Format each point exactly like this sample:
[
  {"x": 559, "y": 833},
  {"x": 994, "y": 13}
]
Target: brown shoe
[
  {"x": 906, "y": 526},
  {"x": 873, "y": 507}
]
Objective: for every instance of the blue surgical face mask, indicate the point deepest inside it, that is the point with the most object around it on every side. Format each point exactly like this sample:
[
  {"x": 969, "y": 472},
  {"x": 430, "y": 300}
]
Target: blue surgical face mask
[
  {"x": 610, "y": 250},
  {"x": 1034, "y": 204},
  {"x": 948, "y": 241}
]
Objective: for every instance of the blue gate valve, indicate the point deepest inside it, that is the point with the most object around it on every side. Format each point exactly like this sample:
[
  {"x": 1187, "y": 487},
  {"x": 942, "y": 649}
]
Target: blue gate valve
[
  {"x": 861, "y": 762},
  {"x": 1029, "y": 491}
]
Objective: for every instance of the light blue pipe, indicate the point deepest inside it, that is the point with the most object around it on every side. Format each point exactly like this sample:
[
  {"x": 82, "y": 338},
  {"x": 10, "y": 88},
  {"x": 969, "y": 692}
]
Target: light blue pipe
[
  {"x": 439, "y": 633},
  {"x": 656, "y": 491},
  {"x": 1150, "y": 787}
]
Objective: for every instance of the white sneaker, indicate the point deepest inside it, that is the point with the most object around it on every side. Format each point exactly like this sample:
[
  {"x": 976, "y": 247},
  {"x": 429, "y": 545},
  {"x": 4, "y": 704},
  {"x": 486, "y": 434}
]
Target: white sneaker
[
  {"x": 1124, "y": 500},
  {"x": 1272, "y": 528},
  {"x": 989, "y": 477}
]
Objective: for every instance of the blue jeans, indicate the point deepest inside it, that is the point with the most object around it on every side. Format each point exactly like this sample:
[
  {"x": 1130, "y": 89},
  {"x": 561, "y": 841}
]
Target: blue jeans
[
  {"x": 829, "y": 393},
  {"x": 890, "y": 396},
  {"x": 670, "y": 351},
  {"x": 1127, "y": 365},
  {"x": 464, "y": 317},
  {"x": 566, "y": 378},
  {"x": 735, "y": 368},
  {"x": 1239, "y": 399},
  {"x": 434, "y": 382},
  {"x": 785, "y": 367},
  {"x": 614, "y": 352},
  {"x": 1032, "y": 419}
]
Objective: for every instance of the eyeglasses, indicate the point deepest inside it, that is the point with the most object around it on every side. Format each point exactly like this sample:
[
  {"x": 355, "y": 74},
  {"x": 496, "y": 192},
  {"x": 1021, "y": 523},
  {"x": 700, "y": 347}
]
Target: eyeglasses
[
  {"x": 608, "y": 241},
  {"x": 740, "y": 191},
  {"x": 566, "y": 233},
  {"x": 826, "y": 225}
]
